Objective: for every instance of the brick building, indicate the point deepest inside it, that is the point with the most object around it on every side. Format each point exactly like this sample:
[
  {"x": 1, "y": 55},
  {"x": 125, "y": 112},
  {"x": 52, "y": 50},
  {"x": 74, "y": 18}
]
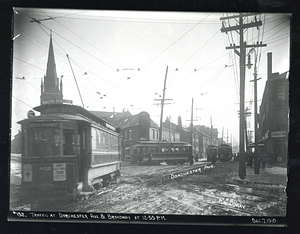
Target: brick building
[{"x": 273, "y": 117}]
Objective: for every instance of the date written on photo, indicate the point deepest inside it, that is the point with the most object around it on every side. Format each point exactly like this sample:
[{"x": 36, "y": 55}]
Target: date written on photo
[{"x": 264, "y": 220}]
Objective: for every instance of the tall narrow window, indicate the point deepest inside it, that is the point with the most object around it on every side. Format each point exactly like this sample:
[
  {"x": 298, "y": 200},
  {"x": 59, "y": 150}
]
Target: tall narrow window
[
  {"x": 130, "y": 134},
  {"x": 69, "y": 142}
]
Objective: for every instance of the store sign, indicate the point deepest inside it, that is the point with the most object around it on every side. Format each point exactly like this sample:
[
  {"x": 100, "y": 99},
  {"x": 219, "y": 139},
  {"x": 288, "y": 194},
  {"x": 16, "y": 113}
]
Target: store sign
[
  {"x": 59, "y": 172},
  {"x": 278, "y": 134}
]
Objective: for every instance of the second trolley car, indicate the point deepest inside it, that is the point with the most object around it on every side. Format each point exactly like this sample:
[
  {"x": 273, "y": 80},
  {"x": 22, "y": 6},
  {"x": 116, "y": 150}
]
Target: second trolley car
[
  {"x": 225, "y": 152},
  {"x": 212, "y": 153},
  {"x": 169, "y": 152}
]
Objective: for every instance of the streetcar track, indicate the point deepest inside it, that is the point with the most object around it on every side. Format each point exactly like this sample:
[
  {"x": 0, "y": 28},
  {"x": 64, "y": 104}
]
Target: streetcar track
[{"x": 223, "y": 207}]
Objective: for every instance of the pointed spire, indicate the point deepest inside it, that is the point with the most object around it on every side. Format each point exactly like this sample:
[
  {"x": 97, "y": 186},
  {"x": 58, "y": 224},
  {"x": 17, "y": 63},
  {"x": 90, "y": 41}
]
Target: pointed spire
[
  {"x": 50, "y": 81},
  {"x": 51, "y": 88},
  {"x": 61, "y": 85}
]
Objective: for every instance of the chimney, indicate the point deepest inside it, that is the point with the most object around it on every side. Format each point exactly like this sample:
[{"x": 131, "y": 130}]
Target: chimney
[
  {"x": 269, "y": 65},
  {"x": 179, "y": 122}
]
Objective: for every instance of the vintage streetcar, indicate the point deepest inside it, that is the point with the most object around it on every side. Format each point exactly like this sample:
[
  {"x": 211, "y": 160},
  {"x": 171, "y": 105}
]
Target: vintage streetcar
[
  {"x": 225, "y": 152},
  {"x": 168, "y": 152},
  {"x": 67, "y": 148},
  {"x": 212, "y": 153}
]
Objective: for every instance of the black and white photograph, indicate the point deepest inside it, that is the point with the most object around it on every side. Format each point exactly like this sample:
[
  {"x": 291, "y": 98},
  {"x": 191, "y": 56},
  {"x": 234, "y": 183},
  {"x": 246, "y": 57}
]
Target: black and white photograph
[{"x": 147, "y": 116}]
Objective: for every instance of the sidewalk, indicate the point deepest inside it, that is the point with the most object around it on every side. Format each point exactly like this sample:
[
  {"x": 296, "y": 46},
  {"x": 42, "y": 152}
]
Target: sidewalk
[{"x": 271, "y": 176}]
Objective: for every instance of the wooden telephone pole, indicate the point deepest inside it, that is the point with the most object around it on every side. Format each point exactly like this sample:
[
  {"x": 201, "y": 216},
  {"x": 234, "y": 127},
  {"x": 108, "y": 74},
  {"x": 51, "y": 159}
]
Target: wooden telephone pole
[
  {"x": 256, "y": 156},
  {"x": 240, "y": 50},
  {"x": 162, "y": 103}
]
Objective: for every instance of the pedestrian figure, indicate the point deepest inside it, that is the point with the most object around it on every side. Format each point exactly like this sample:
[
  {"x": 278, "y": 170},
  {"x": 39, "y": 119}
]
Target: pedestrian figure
[
  {"x": 191, "y": 159},
  {"x": 263, "y": 160},
  {"x": 140, "y": 159},
  {"x": 150, "y": 159},
  {"x": 213, "y": 159},
  {"x": 250, "y": 160}
]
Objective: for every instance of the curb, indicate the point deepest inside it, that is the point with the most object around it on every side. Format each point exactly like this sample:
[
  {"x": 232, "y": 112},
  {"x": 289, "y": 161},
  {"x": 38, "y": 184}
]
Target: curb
[{"x": 240, "y": 181}]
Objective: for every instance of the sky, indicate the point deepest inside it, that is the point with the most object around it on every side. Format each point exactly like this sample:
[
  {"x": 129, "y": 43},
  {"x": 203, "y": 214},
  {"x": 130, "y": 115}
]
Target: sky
[{"x": 121, "y": 59}]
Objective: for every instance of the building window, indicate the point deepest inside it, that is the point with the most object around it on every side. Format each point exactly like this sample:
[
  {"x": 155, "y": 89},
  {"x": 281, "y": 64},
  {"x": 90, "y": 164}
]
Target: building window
[
  {"x": 143, "y": 134},
  {"x": 129, "y": 134},
  {"x": 126, "y": 136},
  {"x": 281, "y": 92},
  {"x": 153, "y": 134}
]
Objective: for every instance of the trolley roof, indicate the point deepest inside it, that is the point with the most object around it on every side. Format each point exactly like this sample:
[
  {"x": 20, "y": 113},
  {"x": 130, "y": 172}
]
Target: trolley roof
[
  {"x": 161, "y": 143},
  {"x": 59, "y": 111}
]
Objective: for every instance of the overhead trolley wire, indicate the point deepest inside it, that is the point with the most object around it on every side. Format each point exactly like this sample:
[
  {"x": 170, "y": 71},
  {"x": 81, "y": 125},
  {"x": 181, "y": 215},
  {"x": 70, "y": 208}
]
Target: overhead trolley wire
[
  {"x": 174, "y": 42},
  {"x": 88, "y": 42},
  {"x": 81, "y": 49},
  {"x": 22, "y": 102}
]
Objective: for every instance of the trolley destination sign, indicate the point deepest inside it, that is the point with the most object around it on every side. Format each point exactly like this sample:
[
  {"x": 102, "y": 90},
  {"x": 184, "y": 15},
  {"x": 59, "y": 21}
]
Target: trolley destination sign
[{"x": 43, "y": 125}]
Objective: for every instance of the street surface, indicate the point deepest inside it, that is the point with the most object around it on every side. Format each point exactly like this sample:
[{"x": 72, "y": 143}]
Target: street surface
[{"x": 199, "y": 189}]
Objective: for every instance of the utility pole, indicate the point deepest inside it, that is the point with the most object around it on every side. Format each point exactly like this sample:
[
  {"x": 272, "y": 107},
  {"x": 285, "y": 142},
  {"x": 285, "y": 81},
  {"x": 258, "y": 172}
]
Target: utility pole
[
  {"x": 240, "y": 28},
  {"x": 169, "y": 118},
  {"x": 211, "y": 131},
  {"x": 222, "y": 134},
  {"x": 227, "y": 137},
  {"x": 256, "y": 156},
  {"x": 162, "y": 103},
  {"x": 192, "y": 126}
]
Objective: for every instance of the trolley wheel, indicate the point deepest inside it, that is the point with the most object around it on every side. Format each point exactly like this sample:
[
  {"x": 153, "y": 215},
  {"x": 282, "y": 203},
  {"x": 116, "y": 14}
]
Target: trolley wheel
[
  {"x": 97, "y": 186},
  {"x": 107, "y": 180}
]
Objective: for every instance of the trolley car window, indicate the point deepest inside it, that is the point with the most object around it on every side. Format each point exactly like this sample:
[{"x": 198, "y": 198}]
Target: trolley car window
[
  {"x": 43, "y": 142},
  {"x": 152, "y": 149},
  {"x": 164, "y": 150},
  {"x": 156, "y": 149},
  {"x": 69, "y": 141}
]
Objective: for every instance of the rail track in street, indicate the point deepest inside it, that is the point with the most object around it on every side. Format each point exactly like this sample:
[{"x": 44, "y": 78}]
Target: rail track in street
[{"x": 186, "y": 189}]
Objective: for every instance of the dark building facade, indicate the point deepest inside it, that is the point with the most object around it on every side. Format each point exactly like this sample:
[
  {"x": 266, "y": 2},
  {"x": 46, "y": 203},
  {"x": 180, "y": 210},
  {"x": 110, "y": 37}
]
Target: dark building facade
[
  {"x": 273, "y": 117},
  {"x": 202, "y": 137}
]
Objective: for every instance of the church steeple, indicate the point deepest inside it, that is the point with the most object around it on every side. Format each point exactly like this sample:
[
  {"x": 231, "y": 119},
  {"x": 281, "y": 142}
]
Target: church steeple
[{"x": 51, "y": 92}]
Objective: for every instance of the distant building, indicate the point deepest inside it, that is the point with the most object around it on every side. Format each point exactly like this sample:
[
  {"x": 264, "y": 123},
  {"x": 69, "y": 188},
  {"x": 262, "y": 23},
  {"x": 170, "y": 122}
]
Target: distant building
[
  {"x": 51, "y": 88},
  {"x": 134, "y": 128},
  {"x": 113, "y": 117},
  {"x": 170, "y": 131},
  {"x": 273, "y": 117},
  {"x": 202, "y": 137},
  {"x": 16, "y": 143}
]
